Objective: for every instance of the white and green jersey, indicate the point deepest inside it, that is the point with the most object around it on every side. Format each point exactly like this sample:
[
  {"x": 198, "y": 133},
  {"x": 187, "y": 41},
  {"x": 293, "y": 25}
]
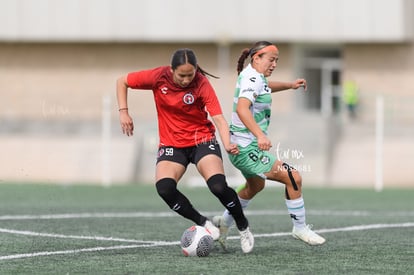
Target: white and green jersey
[{"x": 253, "y": 86}]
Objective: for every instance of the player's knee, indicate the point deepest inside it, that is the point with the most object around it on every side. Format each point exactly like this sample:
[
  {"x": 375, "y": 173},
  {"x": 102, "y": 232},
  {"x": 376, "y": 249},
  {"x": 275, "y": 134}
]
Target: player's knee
[
  {"x": 258, "y": 188},
  {"x": 217, "y": 184},
  {"x": 166, "y": 188},
  {"x": 252, "y": 189}
]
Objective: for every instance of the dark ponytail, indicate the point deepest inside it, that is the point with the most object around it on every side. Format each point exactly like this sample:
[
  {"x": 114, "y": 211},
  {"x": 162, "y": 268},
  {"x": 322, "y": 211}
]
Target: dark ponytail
[
  {"x": 240, "y": 63},
  {"x": 187, "y": 56}
]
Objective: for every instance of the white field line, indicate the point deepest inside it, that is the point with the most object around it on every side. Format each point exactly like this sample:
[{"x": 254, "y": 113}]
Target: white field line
[
  {"x": 74, "y": 251},
  {"x": 340, "y": 229},
  {"x": 61, "y": 236},
  {"x": 157, "y": 243},
  {"x": 173, "y": 214}
]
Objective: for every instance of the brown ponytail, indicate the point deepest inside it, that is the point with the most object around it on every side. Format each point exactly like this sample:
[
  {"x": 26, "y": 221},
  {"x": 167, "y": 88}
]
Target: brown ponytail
[{"x": 242, "y": 59}]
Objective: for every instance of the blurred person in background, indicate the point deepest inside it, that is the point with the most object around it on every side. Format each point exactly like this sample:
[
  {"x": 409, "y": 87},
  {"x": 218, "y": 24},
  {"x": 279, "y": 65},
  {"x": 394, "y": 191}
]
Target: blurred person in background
[
  {"x": 249, "y": 124},
  {"x": 183, "y": 96},
  {"x": 350, "y": 97}
]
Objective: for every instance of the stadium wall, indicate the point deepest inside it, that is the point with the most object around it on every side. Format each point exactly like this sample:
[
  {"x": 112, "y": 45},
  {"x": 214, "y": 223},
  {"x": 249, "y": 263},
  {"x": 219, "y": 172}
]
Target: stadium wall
[
  {"x": 52, "y": 102},
  {"x": 326, "y": 21}
]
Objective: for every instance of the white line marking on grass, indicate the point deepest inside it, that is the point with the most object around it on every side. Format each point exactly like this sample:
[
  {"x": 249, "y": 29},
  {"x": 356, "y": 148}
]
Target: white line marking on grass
[
  {"x": 341, "y": 229},
  {"x": 74, "y": 251},
  {"x": 60, "y": 236},
  {"x": 163, "y": 243},
  {"x": 368, "y": 227},
  {"x": 89, "y": 215},
  {"x": 173, "y": 214}
]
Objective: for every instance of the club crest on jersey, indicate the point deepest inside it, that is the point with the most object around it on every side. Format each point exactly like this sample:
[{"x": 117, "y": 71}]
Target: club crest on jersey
[
  {"x": 188, "y": 98},
  {"x": 265, "y": 160}
]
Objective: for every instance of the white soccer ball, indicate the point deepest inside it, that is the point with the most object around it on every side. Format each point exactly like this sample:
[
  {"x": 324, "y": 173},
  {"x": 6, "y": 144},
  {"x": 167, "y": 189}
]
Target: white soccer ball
[{"x": 196, "y": 241}]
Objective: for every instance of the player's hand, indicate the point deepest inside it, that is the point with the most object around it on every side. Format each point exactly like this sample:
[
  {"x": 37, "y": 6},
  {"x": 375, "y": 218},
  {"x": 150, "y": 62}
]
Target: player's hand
[
  {"x": 300, "y": 82},
  {"x": 232, "y": 149},
  {"x": 264, "y": 143},
  {"x": 127, "y": 124}
]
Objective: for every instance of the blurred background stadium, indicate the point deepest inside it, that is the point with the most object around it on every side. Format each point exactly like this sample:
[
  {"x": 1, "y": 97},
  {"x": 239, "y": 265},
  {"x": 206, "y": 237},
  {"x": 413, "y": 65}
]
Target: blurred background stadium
[{"x": 59, "y": 60}]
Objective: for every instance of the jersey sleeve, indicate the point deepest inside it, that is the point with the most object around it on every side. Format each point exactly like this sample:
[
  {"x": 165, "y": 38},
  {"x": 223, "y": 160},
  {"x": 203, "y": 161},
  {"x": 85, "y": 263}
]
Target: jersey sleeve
[
  {"x": 143, "y": 79},
  {"x": 250, "y": 87},
  {"x": 210, "y": 99}
]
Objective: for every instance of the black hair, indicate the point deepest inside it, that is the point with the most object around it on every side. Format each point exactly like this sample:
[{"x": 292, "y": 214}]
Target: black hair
[
  {"x": 250, "y": 52},
  {"x": 187, "y": 56}
]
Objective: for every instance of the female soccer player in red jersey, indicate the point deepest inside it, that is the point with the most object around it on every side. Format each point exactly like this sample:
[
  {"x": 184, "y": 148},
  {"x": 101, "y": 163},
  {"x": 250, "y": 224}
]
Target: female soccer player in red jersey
[{"x": 183, "y": 96}]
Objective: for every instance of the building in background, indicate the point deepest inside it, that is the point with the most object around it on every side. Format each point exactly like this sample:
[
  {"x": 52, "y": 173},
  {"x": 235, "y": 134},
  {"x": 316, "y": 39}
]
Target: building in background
[{"x": 59, "y": 60}]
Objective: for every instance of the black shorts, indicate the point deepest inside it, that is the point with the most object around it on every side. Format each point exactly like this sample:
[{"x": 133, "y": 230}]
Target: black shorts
[{"x": 191, "y": 154}]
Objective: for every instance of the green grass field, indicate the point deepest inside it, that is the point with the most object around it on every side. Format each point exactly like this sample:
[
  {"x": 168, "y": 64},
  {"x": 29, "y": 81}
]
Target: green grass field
[{"x": 129, "y": 230}]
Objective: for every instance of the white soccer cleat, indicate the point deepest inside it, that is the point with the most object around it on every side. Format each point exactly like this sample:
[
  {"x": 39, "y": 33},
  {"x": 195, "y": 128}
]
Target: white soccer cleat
[
  {"x": 307, "y": 235},
  {"x": 246, "y": 240},
  {"x": 212, "y": 229},
  {"x": 224, "y": 230}
]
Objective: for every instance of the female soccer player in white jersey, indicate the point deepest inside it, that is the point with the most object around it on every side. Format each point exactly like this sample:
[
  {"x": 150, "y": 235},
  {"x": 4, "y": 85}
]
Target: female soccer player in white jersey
[{"x": 249, "y": 122}]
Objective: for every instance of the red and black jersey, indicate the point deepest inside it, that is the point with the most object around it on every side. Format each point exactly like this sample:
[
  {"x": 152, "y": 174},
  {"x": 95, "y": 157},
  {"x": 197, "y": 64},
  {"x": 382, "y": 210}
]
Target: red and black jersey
[{"x": 182, "y": 112}]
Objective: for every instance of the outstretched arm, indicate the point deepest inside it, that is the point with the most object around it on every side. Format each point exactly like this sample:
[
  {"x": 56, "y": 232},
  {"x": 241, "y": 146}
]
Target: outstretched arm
[
  {"x": 277, "y": 86},
  {"x": 124, "y": 118}
]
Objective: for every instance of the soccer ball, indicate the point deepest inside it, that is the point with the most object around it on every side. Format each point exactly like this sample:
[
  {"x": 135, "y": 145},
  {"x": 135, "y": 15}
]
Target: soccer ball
[{"x": 196, "y": 241}]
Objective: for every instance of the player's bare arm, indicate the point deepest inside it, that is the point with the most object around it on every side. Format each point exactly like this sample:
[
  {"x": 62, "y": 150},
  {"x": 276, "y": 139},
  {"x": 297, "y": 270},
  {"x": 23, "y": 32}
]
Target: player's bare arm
[
  {"x": 125, "y": 119},
  {"x": 278, "y": 86},
  {"x": 224, "y": 133},
  {"x": 243, "y": 111}
]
